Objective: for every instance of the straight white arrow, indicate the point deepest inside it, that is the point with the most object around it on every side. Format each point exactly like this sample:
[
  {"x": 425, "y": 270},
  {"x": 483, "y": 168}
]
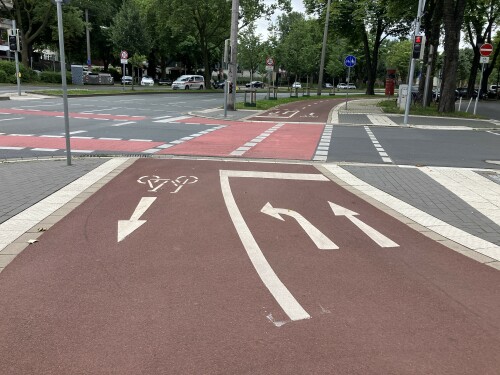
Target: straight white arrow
[
  {"x": 126, "y": 227},
  {"x": 375, "y": 235},
  {"x": 319, "y": 239}
]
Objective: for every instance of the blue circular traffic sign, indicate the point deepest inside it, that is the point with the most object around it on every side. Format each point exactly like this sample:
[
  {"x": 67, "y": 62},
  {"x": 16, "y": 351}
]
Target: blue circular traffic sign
[{"x": 350, "y": 61}]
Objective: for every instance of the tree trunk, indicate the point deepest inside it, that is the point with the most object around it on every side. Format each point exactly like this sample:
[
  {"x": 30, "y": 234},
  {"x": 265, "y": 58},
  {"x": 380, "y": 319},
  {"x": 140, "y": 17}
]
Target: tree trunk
[{"x": 453, "y": 15}]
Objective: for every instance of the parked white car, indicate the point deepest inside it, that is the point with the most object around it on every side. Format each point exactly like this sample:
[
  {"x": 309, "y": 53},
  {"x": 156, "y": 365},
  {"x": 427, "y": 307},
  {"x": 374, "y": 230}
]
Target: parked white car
[
  {"x": 342, "y": 86},
  {"x": 296, "y": 85},
  {"x": 350, "y": 86},
  {"x": 147, "y": 81}
]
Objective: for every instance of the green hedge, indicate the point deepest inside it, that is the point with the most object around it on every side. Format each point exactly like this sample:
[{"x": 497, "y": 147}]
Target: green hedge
[
  {"x": 9, "y": 73},
  {"x": 54, "y": 77}
]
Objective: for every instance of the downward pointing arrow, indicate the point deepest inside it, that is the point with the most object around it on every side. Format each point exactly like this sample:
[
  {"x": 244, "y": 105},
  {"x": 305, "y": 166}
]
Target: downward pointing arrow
[{"x": 126, "y": 227}]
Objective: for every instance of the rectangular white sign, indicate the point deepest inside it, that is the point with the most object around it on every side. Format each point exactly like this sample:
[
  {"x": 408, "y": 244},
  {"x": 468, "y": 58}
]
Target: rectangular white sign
[{"x": 484, "y": 60}]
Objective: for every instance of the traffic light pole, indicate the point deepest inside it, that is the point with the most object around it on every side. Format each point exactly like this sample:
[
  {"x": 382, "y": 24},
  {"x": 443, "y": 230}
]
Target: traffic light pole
[
  {"x": 18, "y": 79},
  {"x": 412, "y": 65},
  {"x": 233, "y": 66}
]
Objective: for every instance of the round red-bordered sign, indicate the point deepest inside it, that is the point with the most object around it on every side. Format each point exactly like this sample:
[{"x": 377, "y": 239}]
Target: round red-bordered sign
[
  {"x": 486, "y": 49},
  {"x": 124, "y": 55}
]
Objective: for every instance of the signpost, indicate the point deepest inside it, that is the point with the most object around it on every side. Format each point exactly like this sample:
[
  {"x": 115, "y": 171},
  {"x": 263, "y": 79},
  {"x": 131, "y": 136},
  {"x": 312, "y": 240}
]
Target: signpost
[
  {"x": 124, "y": 61},
  {"x": 269, "y": 70},
  {"x": 349, "y": 61},
  {"x": 485, "y": 50}
]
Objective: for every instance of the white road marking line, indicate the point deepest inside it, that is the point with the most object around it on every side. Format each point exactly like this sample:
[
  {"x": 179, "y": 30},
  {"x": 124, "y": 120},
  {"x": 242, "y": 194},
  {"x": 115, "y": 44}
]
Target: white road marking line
[
  {"x": 166, "y": 145},
  {"x": 126, "y": 227},
  {"x": 141, "y": 140},
  {"x": 277, "y": 289},
  {"x": 151, "y": 150},
  {"x": 261, "y": 137},
  {"x": 45, "y": 149},
  {"x": 457, "y": 235},
  {"x": 381, "y": 120},
  {"x": 51, "y": 136},
  {"x": 11, "y": 148},
  {"x": 161, "y": 117},
  {"x": 380, "y": 150},
  {"x": 14, "y": 227},
  {"x": 82, "y": 137},
  {"x": 77, "y": 132},
  {"x": 321, "y": 153},
  {"x": 488, "y": 131},
  {"x": 100, "y": 110},
  {"x": 110, "y": 139},
  {"x": 173, "y": 119},
  {"x": 82, "y": 151},
  {"x": 124, "y": 123},
  {"x": 13, "y": 118},
  {"x": 21, "y": 135}
]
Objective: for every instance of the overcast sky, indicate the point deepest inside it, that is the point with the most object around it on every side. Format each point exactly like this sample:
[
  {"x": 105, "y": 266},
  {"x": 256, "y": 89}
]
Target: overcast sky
[{"x": 262, "y": 24}]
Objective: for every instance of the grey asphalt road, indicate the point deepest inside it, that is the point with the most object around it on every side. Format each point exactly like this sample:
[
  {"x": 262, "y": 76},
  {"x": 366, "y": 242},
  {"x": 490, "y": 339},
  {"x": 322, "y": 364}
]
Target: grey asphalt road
[{"x": 488, "y": 108}]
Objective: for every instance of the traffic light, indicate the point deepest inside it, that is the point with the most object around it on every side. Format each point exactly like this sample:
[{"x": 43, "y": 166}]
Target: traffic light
[
  {"x": 417, "y": 46},
  {"x": 13, "y": 43}
]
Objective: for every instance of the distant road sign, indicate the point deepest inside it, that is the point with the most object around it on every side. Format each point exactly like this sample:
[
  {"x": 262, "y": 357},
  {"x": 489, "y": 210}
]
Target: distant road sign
[
  {"x": 486, "y": 49},
  {"x": 270, "y": 61},
  {"x": 350, "y": 61},
  {"x": 484, "y": 59},
  {"x": 123, "y": 55}
]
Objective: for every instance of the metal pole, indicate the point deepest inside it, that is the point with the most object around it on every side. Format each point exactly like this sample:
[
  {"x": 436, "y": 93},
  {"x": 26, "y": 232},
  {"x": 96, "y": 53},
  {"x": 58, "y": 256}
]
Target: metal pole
[
  {"x": 63, "y": 77},
  {"x": 412, "y": 65},
  {"x": 479, "y": 91},
  {"x": 16, "y": 57},
  {"x": 87, "y": 31},
  {"x": 123, "y": 75},
  {"x": 226, "y": 89},
  {"x": 347, "y": 90},
  {"x": 233, "y": 74},
  {"x": 323, "y": 50}
]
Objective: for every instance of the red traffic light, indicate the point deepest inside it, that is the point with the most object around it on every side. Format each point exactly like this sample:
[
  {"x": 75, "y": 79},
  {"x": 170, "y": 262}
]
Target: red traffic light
[{"x": 418, "y": 39}]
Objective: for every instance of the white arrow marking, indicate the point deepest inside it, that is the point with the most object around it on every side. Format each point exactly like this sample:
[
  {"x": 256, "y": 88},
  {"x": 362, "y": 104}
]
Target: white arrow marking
[
  {"x": 319, "y": 239},
  {"x": 375, "y": 235},
  {"x": 126, "y": 227}
]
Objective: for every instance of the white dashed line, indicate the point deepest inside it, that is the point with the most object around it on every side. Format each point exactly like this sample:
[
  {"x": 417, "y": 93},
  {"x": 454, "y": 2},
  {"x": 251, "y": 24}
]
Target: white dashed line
[
  {"x": 380, "y": 149},
  {"x": 243, "y": 149},
  {"x": 124, "y": 123},
  {"x": 324, "y": 144}
]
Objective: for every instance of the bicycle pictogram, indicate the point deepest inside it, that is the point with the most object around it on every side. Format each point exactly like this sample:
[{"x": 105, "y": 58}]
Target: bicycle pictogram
[{"x": 155, "y": 183}]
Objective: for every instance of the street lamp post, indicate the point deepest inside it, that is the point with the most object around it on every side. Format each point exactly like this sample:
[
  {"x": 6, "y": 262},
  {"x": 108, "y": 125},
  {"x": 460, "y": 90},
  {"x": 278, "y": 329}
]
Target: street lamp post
[{"x": 63, "y": 78}]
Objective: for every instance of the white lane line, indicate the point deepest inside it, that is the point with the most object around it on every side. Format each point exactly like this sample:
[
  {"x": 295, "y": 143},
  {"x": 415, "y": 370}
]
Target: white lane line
[
  {"x": 52, "y": 136},
  {"x": 151, "y": 150},
  {"x": 110, "y": 139},
  {"x": 476, "y": 190},
  {"x": 275, "y": 286},
  {"x": 141, "y": 140},
  {"x": 173, "y": 119},
  {"x": 100, "y": 110},
  {"x": 13, "y": 118},
  {"x": 124, "y": 123},
  {"x": 11, "y": 148},
  {"x": 438, "y": 226},
  {"x": 243, "y": 149},
  {"x": 77, "y": 132},
  {"x": 14, "y": 227},
  {"x": 161, "y": 117},
  {"x": 489, "y": 131},
  {"x": 82, "y": 151},
  {"x": 45, "y": 149},
  {"x": 21, "y": 135},
  {"x": 376, "y": 144},
  {"x": 82, "y": 137}
]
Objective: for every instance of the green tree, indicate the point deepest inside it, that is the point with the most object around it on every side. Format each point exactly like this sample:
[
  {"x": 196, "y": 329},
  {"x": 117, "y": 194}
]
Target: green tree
[
  {"x": 137, "y": 62},
  {"x": 250, "y": 50},
  {"x": 398, "y": 57}
]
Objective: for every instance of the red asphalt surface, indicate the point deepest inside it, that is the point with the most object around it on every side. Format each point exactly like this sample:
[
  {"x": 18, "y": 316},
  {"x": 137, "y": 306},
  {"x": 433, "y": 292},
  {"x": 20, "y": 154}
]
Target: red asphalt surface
[{"x": 180, "y": 296}]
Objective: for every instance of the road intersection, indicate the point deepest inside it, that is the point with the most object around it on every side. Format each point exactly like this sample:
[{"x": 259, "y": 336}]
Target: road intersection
[{"x": 248, "y": 246}]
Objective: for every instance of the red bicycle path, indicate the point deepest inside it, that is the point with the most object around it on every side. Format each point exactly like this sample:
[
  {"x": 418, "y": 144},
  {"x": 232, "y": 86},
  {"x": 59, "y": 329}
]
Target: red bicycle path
[{"x": 180, "y": 295}]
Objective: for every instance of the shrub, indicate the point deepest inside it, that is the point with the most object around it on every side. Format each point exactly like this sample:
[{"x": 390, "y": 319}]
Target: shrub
[
  {"x": 54, "y": 77},
  {"x": 3, "y": 77}
]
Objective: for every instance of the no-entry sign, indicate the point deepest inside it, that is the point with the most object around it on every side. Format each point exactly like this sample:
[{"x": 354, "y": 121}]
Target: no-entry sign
[{"x": 486, "y": 49}]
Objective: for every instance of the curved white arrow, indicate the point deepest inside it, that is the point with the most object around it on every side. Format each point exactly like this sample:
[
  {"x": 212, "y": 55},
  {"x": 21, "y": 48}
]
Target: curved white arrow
[
  {"x": 126, "y": 227},
  {"x": 319, "y": 239},
  {"x": 375, "y": 235}
]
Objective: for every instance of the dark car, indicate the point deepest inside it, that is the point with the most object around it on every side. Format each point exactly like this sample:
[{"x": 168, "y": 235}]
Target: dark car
[
  {"x": 218, "y": 84},
  {"x": 255, "y": 84},
  {"x": 165, "y": 81}
]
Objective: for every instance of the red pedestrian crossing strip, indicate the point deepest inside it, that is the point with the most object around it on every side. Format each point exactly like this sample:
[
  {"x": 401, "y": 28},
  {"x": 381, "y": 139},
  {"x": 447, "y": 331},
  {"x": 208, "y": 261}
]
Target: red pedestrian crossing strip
[{"x": 237, "y": 139}]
